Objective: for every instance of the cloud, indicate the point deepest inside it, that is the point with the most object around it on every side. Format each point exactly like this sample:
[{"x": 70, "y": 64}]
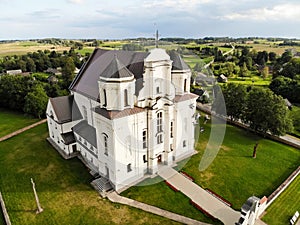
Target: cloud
[
  {"x": 76, "y": 1},
  {"x": 278, "y": 12}
]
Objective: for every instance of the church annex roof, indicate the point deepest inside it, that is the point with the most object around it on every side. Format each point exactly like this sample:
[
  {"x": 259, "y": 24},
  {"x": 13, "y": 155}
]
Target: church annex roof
[
  {"x": 178, "y": 63},
  {"x": 115, "y": 114},
  {"x": 86, "y": 131},
  {"x": 65, "y": 109}
]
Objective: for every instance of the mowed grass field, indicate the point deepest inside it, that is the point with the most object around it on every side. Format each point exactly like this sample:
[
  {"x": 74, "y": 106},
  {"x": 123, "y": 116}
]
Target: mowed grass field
[
  {"x": 11, "y": 121},
  {"x": 285, "y": 206},
  {"x": 63, "y": 187},
  {"x": 234, "y": 174},
  {"x": 23, "y": 47}
]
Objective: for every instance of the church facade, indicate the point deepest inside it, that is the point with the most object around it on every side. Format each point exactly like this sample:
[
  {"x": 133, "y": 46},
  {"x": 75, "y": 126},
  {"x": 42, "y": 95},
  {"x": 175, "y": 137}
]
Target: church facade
[{"x": 128, "y": 113}]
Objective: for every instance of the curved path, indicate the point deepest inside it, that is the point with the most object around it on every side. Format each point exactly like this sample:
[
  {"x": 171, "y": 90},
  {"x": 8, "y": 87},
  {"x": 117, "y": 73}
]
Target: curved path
[{"x": 22, "y": 130}]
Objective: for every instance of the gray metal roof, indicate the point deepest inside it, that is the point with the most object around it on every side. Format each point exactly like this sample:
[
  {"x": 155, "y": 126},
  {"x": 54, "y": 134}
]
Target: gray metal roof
[
  {"x": 68, "y": 138},
  {"x": 249, "y": 203},
  {"x": 86, "y": 81},
  {"x": 86, "y": 131},
  {"x": 178, "y": 63},
  {"x": 65, "y": 109},
  {"x": 115, "y": 69}
]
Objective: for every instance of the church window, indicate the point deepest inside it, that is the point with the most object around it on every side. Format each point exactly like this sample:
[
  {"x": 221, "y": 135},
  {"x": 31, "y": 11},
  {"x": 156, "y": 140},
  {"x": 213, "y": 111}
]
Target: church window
[
  {"x": 126, "y": 97},
  {"x": 105, "y": 140},
  {"x": 144, "y": 139},
  {"x": 105, "y": 99},
  {"x": 129, "y": 168},
  {"x": 184, "y": 143},
  {"x": 159, "y": 128},
  {"x": 171, "y": 129},
  {"x": 159, "y": 122},
  {"x": 185, "y": 85}
]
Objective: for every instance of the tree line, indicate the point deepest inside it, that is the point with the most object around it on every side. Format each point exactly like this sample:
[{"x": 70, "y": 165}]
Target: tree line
[
  {"x": 258, "y": 107},
  {"x": 29, "y": 93}
]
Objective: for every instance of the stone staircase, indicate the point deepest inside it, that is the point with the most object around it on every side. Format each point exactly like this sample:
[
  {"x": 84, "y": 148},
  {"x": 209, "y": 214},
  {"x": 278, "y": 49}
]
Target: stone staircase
[{"x": 102, "y": 184}]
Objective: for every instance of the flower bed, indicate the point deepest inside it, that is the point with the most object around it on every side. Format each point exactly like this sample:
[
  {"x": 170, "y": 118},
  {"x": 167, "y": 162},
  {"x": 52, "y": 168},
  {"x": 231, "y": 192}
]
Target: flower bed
[
  {"x": 219, "y": 197},
  {"x": 187, "y": 176},
  {"x": 171, "y": 186}
]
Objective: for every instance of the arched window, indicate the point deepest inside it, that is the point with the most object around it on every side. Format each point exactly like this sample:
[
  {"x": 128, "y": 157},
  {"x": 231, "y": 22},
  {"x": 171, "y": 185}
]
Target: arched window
[
  {"x": 105, "y": 99},
  {"x": 159, "y": 128},
  {"x": 126, "y": 97},
  {"x": 105, "y": 143},
  {"x": 185, "y": 85},
  {"x": 144, "y": 139}
]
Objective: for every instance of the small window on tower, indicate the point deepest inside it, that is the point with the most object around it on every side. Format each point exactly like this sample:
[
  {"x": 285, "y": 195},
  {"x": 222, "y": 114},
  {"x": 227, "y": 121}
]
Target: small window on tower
[{"x": 129, "y": 168}]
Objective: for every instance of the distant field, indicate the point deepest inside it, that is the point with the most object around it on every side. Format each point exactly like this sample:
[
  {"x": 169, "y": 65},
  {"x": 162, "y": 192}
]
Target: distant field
[
  {"x": 23, "y": 47},
  {"x": 256, "y": 80},
  {"x": 284, "y": 207},
  {"x": 12, "y": 121}
]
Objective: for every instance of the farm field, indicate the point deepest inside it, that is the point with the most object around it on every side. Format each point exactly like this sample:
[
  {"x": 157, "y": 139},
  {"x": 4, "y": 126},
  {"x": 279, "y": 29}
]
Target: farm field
[
  {"x": 23, "y": 47},
  {"x": 284, "y": 207},
  {"x": 63, "y": 187},
  {"x": 255, "y": 80}
]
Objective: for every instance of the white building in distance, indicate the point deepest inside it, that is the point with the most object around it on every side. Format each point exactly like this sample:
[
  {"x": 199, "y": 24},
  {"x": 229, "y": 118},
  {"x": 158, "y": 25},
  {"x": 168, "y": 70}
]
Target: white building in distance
[{"x": 128, "y": 112}]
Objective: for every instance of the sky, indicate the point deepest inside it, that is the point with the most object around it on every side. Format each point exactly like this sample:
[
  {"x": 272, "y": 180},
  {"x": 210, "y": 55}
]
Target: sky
[{"x": 120, "y": 19}]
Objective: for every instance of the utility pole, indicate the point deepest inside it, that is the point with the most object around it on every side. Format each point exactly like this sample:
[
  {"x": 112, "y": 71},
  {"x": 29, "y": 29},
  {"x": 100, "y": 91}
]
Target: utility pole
[{"x": 39, "y": 208}]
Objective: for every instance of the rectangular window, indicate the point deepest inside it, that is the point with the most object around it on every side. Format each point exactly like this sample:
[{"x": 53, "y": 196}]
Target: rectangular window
[
  {"x": 159, "y": 139},
  {"x": 157, "y": 90},
  {"x": 159, "y": 122},
  {"x": 144, "y": 158},
  {"x": 184, "y": 143},
  {"x": 144, "y": 139},
  {"x": 171, "y": 130},
  {"x": 129, "y": 168}
]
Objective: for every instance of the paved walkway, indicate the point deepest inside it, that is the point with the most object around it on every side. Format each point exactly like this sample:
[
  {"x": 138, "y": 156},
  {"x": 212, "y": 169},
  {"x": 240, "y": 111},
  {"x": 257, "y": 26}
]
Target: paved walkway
[
  {"x": 22, "y": 130},
  {"x": 114, "y": 197},
  {"x": 212, "y": 205}
]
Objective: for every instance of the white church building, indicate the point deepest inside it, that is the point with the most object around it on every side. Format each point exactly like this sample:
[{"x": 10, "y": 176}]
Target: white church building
[{"x": 128, "y": 113}]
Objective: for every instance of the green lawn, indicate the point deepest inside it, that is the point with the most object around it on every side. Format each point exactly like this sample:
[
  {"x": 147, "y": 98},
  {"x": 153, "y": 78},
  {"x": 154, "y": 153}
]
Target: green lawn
[
  {"x": 12, "y": 121},
  {"x": 234, "y": 174},
  {"x": 63, "y": 187},
  {"x": 284, "y": 207},
  {"x": 162, "y": 196}
]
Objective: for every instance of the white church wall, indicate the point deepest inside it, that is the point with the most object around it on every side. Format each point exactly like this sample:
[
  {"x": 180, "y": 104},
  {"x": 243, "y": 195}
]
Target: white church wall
[
  {"x": 128, "y": 147},
  {"x": 184, "y": 128}
]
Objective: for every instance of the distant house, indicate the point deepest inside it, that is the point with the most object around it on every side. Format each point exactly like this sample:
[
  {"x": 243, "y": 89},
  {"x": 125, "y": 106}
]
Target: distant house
[
  {"x": 53, "y": 71},
  {"x": 13, "y": 72},
  {"x": 288, "y": 103},
  {"x": 222, "y": 79},
  {"x": 52, "y": 79}
]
